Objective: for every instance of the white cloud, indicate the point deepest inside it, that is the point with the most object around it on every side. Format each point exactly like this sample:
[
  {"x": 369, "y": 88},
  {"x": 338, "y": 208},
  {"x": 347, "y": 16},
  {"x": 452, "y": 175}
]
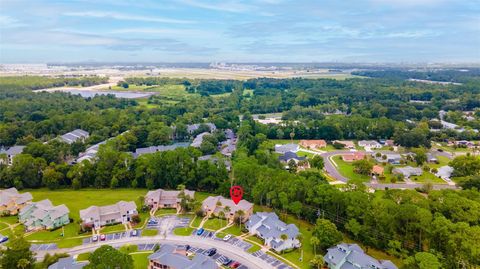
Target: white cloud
[
  {"x": 227, "y": 6},
  {"x": 121, "y": 16},
  {"x": 9, "y": 22}
]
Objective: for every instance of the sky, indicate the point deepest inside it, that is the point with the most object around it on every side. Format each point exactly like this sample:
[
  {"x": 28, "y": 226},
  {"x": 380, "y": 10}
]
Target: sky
[{"x": 400, "y": 31}]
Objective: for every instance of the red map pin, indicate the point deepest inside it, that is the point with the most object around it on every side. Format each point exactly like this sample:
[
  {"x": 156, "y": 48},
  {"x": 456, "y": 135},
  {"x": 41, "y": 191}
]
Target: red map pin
[{"x": 236, "y": 193}]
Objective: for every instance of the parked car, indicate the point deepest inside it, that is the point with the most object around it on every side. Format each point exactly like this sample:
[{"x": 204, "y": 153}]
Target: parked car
[
  {"x": 211, "y": 251},
  {"x": 152, "y": 221},
  {"x": 200, "y": 231},
  {"x": 95, "y": 238},
  {"x": 133, "y": 233},
  {"x": 3, "y": 239},
  {"x": 227, "y": 237},
  {"x": 187, "y": 247},
  {"x": 102, "y": 237},
  {"x": 227, "y": 261},
  {"x": 235, "y": 265}
]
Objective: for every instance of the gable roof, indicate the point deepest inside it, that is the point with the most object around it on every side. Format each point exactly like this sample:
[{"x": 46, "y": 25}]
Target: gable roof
[
  {"x": 167, "y": 256},
  {"x": 352, "y": 256},
  {"x": 272, "y": 227},
  {"x": 99, "y": 212},
  {"x": 74, "y": 135},
  {"x": 167, "y": 197},
  {"x": 14, "y": 150},
  {"x": 211, "y": 203},
  {"x": 153, "y": 149},
  {"x": 12, "y": 194},
  {"x": 67, "y": 263},
  {"x": 290, "y": 155}
]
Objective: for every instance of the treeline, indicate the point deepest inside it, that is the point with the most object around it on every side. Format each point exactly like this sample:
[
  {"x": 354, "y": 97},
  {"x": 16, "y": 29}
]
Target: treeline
[
  {"x": 114, "y": 169},
  {"x": 35, "y": 82},
  {"x": 450, "y": 75},
  {"x": 212, "y": 87},
  {"x": 401, "y": 222}
]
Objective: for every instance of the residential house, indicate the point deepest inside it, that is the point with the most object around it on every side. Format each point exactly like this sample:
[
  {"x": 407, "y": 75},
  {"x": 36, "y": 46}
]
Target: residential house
[
  {"x": 371, "y": 144},
  {"x": 166, "y": 199},
  {"x": 270, "y": 228},
  {"x": 67, "y": 263},
  {"x": 292, "y": 156},
  {"x": 282, "y": 149},
  {"x": 153, "y": 149},
  {"x": 377, "y": 170},
  {"x": 213, "y": 159},
  {"x": 90, "y": 153},
  {"x": 97, "y": 216},
  {"x": 313, "y": 144},
  {"x": 431, "y": 158},
  {"x": 198, "y": 140},
  {"x": 11, "y": 153},
  {"x": 465, "y": 143},
  {"x": 389, "y": 143},
  {"x": 43, "y": 215},
  {"x": 408, "y": 171},
  {"x": 11, "y": 201},
  {"x": 228, "y": 146},
  {"x": 74, "y": 136},
  {"x": 345, "y": 143},
  {"x": 344, "y": 256},
  {"x": 194, "y": 127},
  {"x": 213, "y": 205},
  {"x": 445, "y": 172},
  {"x": 391, "y": 158},
  {"x": 353, "y": 156},
  {"x": 175, "y": 257}
]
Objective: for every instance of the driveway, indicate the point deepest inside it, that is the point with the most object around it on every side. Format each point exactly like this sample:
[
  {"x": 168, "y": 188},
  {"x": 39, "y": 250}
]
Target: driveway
[{"x": 204, "y": 243}]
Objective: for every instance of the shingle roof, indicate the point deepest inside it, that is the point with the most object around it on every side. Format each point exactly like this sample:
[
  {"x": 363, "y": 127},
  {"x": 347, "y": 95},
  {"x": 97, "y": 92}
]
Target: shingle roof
[
  {"x": 290, "y": 155},
  {"x": 101, "y": 212},
  {"x": 153, "y": 149},
  {"x": 74, "y": 135},
  {"x": 167, "y": 256},
  {"x": 67, "y": 263},
  {"x": 166, "y": 197},
  {"x": 211, "y": 203},
  {"x": 352, "y": 256},
  {"x": 272, "y": 227},
  {"x": 14, "y": 150}
]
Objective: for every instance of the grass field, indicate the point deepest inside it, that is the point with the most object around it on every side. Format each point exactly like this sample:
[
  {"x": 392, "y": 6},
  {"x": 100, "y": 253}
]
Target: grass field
[
  {"x": 214, "y": 224},
  {"x": 140, "y": 259},
  {"x": 149, "y": 232},
  {"x": 183, "y": 231},
  {"x": 346, "y": 170}
]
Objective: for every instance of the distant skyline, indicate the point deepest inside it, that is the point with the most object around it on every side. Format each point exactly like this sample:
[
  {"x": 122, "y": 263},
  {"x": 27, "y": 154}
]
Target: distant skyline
[{"x": 412, "y": 31}]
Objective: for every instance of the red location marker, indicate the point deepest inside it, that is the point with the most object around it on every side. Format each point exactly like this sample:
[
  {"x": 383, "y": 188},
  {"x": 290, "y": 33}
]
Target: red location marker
[{"x": 236, "y": 193}]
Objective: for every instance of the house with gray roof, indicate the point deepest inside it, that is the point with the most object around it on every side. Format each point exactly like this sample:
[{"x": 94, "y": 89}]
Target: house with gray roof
[
  {"x": 11, "y": 201},
  {"x": 408, "y": 171},
  {"x": 282, "y": 149},
  {"x": 67, "y": 263},
  {"x": 198, "y": 140},
  {"x": 98, "y": 216},
  {"x": 43, "y": 215},
  {"x": 215, "y": 160},
  {"x": 90, "y": 153},
  {"x": 445, "y": 172},
  {"x": 213, "y": 205},
  {"x": 270, "y": 228},
  {"x": 369, "y": 144},
  {"x": 392, "y": 158},
  {"x": 153, "y": 149},
  {"x": 431, "y": 158},
  {"x": 166, "y": 199},
  {"x": 351, "y": 256},
  {"x": 290, "y": 156},
  {"x": 194, "y": 127},
  {"x": 74, "y": 136},
  {"x": 11, "y": 153},
  {"x": 174, "y": 257}
]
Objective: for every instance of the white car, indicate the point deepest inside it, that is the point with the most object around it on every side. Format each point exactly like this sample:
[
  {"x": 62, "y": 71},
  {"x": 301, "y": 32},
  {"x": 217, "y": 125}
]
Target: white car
[
  {"x": 95, "y": 238},
  {"x": 227, "y": 237}
]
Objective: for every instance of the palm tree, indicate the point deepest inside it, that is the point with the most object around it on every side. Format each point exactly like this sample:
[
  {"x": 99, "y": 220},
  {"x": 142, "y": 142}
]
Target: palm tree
[
  {"x": 221, "y": 215},
  {"x": 226, "y": 210},
  {"x": 240, "y": 214},
  {"x": 314, "y": 241},
  {"x": 23, "y": 263}
]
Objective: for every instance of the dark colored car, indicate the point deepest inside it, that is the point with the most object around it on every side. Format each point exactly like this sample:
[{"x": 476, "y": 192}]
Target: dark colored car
[
  {"x": 200, "y": 231},
  {"x": 227, "y": 261},
  {"x": 211, "y": 251},
  {"x": 3, "y": 239}
]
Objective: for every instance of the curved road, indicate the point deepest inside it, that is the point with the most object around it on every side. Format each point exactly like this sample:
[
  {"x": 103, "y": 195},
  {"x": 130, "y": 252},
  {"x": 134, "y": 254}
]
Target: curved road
[
  {"x": 332, "y": 171},
  {"x": 224, "y": 248}
]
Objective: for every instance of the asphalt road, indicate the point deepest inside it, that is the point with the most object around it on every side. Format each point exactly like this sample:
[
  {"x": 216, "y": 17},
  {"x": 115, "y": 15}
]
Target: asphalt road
[
  {"x": 332, "y": 171},
  {"x": 224, "y": 248}
]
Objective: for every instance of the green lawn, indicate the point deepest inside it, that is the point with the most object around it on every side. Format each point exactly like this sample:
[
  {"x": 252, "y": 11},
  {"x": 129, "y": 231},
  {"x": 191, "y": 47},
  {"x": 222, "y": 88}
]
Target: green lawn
[
  {"x": 113, "y": 228},
  {"x": 140, "y": 259},
  {"x": 165, "y": 211},
  {"x": 255, "y": 239},
  {"x": 183, "y": 231},
  {"x": 149, "y": 232},
  {"x": 3, "y": 225},
  {"x": 254, "y": 248},
  {"x": 346, "y": 170},
  {"x": 196, "y": 221},
  {"x": 83, "y": 256},
  {"x": 200, "y": 196},
  {"x": 214, "y": 224},
  {"x": 9, "y": 219},
  {"x": 427, "y": 177}
]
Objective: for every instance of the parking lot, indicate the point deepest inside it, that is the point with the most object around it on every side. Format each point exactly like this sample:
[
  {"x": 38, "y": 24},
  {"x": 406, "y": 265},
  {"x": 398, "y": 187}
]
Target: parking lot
[
  {"x": 146, "y": 247},
  {"x": 271, "y": 260},
  {"x": 167, "y": 224},
  {"x": 113, "y": 236},
  {"x": 39, "y": 247},
  {"x": 237, "y": 242},
  {"x": 217, "y": 257}
]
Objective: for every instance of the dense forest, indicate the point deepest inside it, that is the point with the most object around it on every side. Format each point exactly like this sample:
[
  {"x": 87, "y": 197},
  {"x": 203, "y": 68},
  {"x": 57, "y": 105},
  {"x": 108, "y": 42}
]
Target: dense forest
[
  {"x": 443, "y": 75},
  {"x": 446, "y": 224}
]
